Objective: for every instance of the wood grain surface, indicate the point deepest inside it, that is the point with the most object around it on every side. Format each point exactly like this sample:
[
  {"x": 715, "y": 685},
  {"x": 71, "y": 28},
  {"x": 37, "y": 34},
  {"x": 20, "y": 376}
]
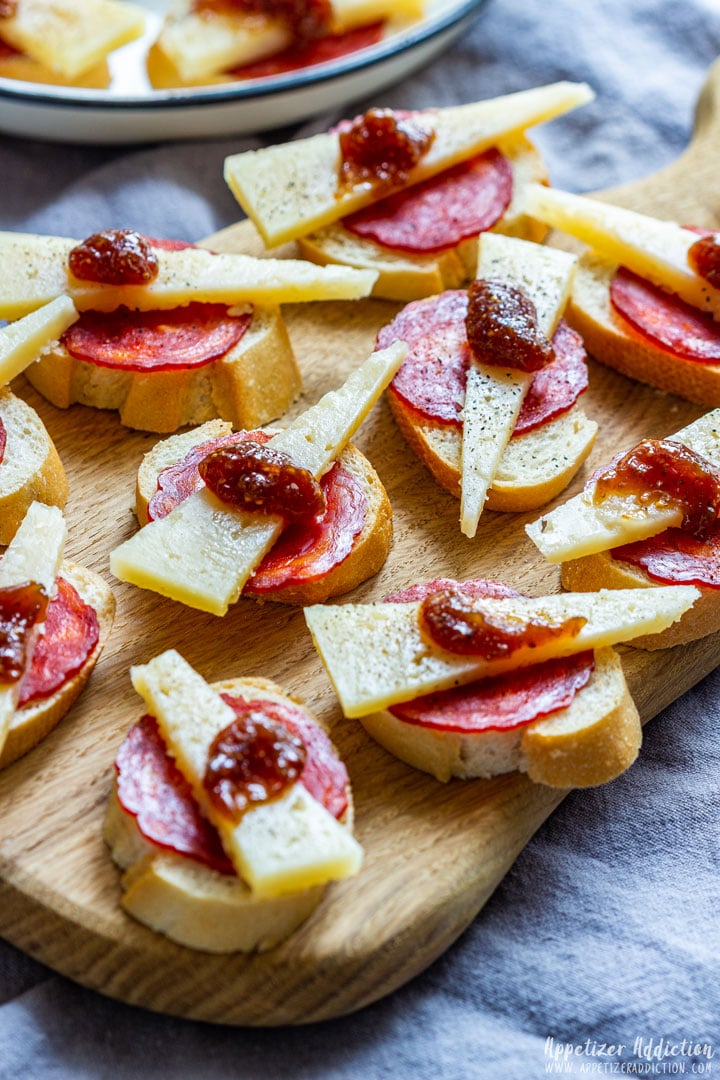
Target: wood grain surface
[{"x": 434, "y": 852}]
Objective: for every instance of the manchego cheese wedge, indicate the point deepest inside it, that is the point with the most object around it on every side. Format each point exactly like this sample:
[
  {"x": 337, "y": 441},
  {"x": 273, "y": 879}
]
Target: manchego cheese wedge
[
  {"x": 376, "y": 656},
  {"x": 22, "y": 341},
  {"x": 35, "y": 271},
  {"x": 656, "y": 250},
  {"x": 578, "y": 527},
  {"x": 291, "y": 189},
  {"x": 71, "y": 36},
  {"x": 286, "y": 845},
  {"x": 493, "y": 396},
  {"x": 34, "y": 554},
  {"x": 203, "y": 551}
]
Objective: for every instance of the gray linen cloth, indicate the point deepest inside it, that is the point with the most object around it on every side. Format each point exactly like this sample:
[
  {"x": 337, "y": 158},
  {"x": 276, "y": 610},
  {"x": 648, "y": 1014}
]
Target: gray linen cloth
[{"x": 604, "y": 934}]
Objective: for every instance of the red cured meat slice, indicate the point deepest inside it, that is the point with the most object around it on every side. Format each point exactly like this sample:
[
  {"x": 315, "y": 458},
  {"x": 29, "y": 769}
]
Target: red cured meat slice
[
  {"x": 71, "y": 634},
  {"x": 664, "y": 319},
  {"x": 187, "y": 337},
  {"x": 320, "y": 51},
  {"x": 306, "y": 551},
  {"x": 154, "y": 791},
  {"x": 675, "y": 557},
  {"x": 500, "y": 703},
  {"x": 438, "y": 213},
  {"x": 433, "y": 376}
]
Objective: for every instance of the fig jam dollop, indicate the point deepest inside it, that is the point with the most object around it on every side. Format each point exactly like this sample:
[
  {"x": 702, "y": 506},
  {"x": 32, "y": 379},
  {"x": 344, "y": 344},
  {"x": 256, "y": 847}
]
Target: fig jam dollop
[
  {"x": 662, "y": 470},
  {"x": 114, "y": 257},
  {"x": 251, "y": 476},
  {"x": 21, "y": 606},
  {"x": 455, "y": 622},
  {"x": 381, "y": 148},
  {"x": 252, "y": 760},
  {"x": 502, "y": 326},
  {"x": 704, "y": 259}
]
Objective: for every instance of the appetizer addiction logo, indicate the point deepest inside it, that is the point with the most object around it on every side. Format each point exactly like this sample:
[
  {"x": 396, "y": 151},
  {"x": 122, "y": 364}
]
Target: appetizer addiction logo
[{"x": 645, "y": 1056}]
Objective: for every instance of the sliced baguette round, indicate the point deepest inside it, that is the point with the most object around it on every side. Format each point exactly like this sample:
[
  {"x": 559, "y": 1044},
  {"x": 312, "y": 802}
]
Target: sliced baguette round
[
  {"x": 192, "y": 904},
  {"x": 254, "y": 382},
  {"x": 371, "y": 546},
  {"x": 534, "y": 468},
  {"x": 590, "y": 742},
  {"x": 405, "y": 276},
  {"x": 34, "y": 721},
  {"x": 30, "y": 470},
  {"x": 614, "y": 342},
  {"x": 602, "y": 571}
]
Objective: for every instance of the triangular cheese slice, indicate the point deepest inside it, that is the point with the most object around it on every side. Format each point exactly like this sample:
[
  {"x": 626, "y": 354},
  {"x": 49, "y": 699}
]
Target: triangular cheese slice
[
  {"x": 71, "y": 36},
  {"x": 494, "y": 396},
  {"x": 21, "y": 342},
  {"x": 579, "y": 527},
  {"x": 656, "y": 250},
  {"x": 292, "y": 189},
  {"x": 203, "y": 551},
  {"x": 35, "y": 271},
  {"x": 34, "y": 555},
  {"x": 285, "y": 845},
  {"x": 376, "y": 657}
]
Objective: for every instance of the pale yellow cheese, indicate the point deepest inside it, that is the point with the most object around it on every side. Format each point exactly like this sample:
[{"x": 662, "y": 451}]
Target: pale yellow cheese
[
  {"x": 21, "y": 342},
  {"x": 35, "y": 271},
  {"x": 203, "y": 551},
  {"x": 376, "y": 657},
  {"x": 285, "y": 845},
  {"x": 656, "y": 250},
  {"x": 493, "y": 396},
  {"x": 34, "y": 555},
  {"x": 292, "y": 189},
  {"x": 579, "y": 527},
  {"x": 71, "y": 36}
]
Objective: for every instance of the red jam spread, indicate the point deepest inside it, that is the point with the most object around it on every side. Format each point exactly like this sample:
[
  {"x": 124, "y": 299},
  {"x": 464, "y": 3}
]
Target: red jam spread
[
  {"x": 455, "y": 622},
  {"x": 502, "y": 327},
  {"x": 21, "y": 607},
  {"x": 114, "y": 257},
  {"x": 666, "y": 471},
  {"x": 252, "y": 476},
  {"x": 704, "y": 259},
  {"x": 252, "y": 760},
  {"x": 382, "y": 148}
]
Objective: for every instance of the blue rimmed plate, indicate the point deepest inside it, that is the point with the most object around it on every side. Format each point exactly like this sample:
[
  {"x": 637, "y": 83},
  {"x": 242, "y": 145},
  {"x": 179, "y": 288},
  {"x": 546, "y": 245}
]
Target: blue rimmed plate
[{"x": 130, "y": 110}]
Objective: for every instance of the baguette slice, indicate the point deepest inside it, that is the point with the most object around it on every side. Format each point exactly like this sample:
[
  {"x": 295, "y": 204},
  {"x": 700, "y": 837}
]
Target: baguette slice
[
  {"x": 590, "y": 742},
  {"x": 370, "y": 548},
  {"x": 31, "y": 470},
  {"x": 191, "y": 903},
  {"x": 254, "y": 382},
  {"x": 32, "y": 722},
  {"x": 408, "y": 276}
]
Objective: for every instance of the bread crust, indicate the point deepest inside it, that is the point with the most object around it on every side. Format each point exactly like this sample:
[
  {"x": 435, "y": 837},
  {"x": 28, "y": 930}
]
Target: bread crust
[
  {"x": 254, "y": 382},
  {"x": 371, "y": 546},
  {"x": 31, "y": 469},
  {"x": 404, "y": 276},
  {"x": 192, "y": 904},
  {"x": 34, "y": 721},
  {"x": 590, "y": 742},
  {"x": 612, "y": 341}
]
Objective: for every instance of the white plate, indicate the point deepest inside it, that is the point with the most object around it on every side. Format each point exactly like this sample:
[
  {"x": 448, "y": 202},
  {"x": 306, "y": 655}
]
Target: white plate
[{"x": 131, "y": 111}]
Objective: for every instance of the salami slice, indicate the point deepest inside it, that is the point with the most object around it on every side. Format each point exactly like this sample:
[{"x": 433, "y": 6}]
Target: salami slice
[
  {"x": 438, "y": 213},
  {"x": 433, "y": 376},
  {"x": 500, "y": 703},
  {"x": 664, "y": 319},
  {"x": 154, "y": 791},
  {"x": 320, "y": 51},
  {"x": 306, "y": 551},
  {"x": 71, "y": 634},
  {"x": 676, "y": 557},
  {"x": 188, "y": 337}
]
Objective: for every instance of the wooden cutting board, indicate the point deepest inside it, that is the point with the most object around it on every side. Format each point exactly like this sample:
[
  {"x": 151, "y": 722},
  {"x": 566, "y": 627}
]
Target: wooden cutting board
[{"x": 434, "y": 852}]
